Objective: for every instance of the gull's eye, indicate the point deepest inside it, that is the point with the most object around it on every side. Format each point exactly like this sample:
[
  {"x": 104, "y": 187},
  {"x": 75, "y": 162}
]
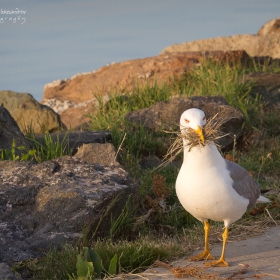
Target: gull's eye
[
  {"x": 187, "y": 121},
  {"x": 204, "y": 118}
]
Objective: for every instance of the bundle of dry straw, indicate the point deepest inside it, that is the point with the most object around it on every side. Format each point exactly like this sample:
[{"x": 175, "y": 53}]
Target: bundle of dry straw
[{"x": 212, "y": 133}]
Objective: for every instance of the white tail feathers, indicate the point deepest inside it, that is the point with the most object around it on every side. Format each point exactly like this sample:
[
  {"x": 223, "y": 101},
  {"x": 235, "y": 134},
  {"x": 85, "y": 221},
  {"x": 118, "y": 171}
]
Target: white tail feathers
[{"x": 262, "y": 199}]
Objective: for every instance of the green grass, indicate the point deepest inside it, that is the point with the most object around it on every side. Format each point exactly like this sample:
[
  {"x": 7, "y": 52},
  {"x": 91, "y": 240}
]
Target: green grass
[
  {"x": 131, "y": 255},
  {"x": 56, "y": 264},
  {"x": 16, "y": 153},
  {"x": 136, "y": 254},
  {"x": 268, "y": 66},
  {"x": 44, "y": 147},
  {"x": 137, "y": 236},
  {"x": 48, "y": 148}
]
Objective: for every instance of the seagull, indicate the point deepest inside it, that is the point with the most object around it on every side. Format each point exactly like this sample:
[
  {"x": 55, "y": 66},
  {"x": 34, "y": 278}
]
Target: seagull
[{"x": 210, "y": 187}]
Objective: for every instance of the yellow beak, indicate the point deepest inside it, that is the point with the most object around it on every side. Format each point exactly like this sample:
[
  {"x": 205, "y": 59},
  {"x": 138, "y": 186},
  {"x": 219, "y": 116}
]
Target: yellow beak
[{"x": 200, "y": 134}]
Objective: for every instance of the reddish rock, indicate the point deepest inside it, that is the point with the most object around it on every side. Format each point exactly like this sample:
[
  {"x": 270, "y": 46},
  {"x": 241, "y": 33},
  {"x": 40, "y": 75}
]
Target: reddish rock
[
  {"x": 123, "y": 77},
  {"x": 125, "y": 74},
  {"x": 76, "y": 117}
]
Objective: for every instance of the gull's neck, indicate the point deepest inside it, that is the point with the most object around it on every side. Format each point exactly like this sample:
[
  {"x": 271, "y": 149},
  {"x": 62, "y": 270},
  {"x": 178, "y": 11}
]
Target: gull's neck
[{"x": 202, "y": 155}]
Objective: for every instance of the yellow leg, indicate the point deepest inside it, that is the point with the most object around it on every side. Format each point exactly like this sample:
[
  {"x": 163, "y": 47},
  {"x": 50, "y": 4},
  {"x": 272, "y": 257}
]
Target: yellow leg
[
  {"x": 221, "y": 261},
  {"x": 205, "y": 255}
]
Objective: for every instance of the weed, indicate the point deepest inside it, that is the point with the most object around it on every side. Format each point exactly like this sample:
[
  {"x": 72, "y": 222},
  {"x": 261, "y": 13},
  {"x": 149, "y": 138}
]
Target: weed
[
  {"x": 268, "y": 65},
  {"x": 89, "y": 265},
  {"x": 123, "y": 224},
  {"x": 49, "y": 148},
  {"x": 12, "y": 154},
  {"x": 57, "y": 264},
  {"x": 106, "y": 256},
  {"x": 136, "y": 254}
]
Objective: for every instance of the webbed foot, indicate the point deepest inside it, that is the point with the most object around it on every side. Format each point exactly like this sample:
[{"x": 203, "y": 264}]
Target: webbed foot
[
  {"x": 219, "y": 262},
  {"x": 205, "y": 255}
]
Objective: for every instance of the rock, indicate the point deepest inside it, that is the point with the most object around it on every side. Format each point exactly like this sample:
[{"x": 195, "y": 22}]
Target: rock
[
  {"x": 76, "y": 139},
  {"x": 104, "y": 154},
  {"x": 27, "y": 112},
  {"x": 255, "y": 46},
  {"x": 55, "y": 83},
  {"x": 6, "y": 273},
  {"x": 47, "y": 204},
  {"x": 60, "y": 106},
  {"x": 75, "y": 114},
  {"x": 165, "y": 115},
  {"x": 270, "y": 27},
  {"x": 266, "y": 86},
  {"x": 150, "y": 162},
  {"x": 122, "y": 77},
  {"x": 77, "y": 117},
  {"x": 10, "y": 131}
]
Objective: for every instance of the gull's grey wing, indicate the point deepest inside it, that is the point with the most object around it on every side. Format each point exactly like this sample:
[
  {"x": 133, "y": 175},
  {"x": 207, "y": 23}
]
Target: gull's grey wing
[{"x": 243, "y": 183}]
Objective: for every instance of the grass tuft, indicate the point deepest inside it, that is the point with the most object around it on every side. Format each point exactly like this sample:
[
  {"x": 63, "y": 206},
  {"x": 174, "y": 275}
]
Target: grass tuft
[{"x": 48, "y": 148}]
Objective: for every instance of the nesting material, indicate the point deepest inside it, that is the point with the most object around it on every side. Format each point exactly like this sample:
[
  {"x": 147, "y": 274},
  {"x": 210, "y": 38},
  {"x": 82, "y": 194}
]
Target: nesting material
[{"x": 212, "y": 134}]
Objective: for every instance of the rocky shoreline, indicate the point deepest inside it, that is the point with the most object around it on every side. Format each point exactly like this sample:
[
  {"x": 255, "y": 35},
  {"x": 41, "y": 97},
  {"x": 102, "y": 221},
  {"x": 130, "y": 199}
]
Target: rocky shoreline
[
  {"x": 74, "y": 98},
  {"x": 80, "y": 186}
]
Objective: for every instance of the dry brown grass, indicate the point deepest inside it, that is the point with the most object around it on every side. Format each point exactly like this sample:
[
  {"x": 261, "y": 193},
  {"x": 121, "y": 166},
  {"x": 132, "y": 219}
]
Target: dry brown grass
[{"x": 160, "y": 192}]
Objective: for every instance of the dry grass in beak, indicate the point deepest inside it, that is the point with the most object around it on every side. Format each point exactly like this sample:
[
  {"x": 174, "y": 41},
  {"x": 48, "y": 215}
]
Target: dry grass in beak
[{"x": 212, "y": 133}]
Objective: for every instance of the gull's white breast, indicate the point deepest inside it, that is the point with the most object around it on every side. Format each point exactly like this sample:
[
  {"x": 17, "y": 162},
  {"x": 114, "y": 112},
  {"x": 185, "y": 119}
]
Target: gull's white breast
[{"x": 204, "y": 187}]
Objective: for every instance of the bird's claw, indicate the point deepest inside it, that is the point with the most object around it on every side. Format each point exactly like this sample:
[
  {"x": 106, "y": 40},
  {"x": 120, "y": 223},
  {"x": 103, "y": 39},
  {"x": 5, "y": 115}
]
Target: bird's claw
[
  {"x": 220, "y": 262},
  {"x": 205, "y": 255}
]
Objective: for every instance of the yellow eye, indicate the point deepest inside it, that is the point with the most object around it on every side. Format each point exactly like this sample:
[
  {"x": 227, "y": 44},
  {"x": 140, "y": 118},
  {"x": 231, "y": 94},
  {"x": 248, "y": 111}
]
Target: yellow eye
[{"x": 187, "y": 121}]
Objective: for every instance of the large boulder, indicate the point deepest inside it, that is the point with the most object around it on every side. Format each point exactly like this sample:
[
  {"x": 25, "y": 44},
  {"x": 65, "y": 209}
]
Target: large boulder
[
  {"x": 28, "y": 113},
  {"x": 9, "y": 132},
  {"x": 165, "y": 115},
  {"x": 48, "y": 204}
]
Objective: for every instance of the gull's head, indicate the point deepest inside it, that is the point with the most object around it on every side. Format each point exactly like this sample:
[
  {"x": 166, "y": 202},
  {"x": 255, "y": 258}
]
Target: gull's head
[{"x": 195, "y": 119}]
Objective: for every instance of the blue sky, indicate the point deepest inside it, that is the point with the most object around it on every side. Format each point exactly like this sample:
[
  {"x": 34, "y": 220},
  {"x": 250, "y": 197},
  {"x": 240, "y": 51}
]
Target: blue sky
[{"x": 61, "y": 38}]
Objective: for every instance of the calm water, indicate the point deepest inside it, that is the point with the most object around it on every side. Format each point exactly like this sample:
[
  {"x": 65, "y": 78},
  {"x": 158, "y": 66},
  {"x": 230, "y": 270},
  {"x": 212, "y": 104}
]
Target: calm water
[{"x": 42, "y": 41}]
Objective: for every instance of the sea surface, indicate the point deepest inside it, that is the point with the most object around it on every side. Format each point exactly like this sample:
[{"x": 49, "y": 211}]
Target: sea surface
[{"x": 42, "y": 41}]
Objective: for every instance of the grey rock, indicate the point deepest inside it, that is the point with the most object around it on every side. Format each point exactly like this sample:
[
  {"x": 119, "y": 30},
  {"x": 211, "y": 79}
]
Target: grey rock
[
  {"x": 165, "y": 115},
  {"x": 104, "y": 154},
  {"x": 47, "y": 204},
  {"x": 10, "y": 131},
  {"x": 6, "y": 273},
  {"x": 28, "y": 113}
]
